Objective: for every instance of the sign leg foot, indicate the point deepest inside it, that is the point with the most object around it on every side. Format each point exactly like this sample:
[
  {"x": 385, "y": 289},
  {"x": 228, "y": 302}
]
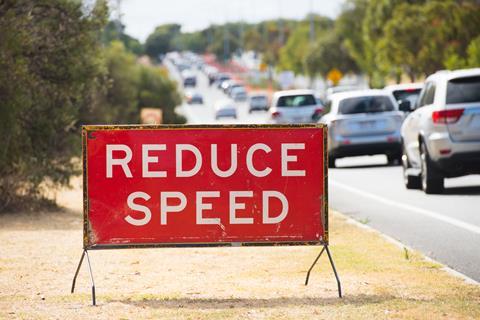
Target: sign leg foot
[{"x": 91, "y": 279}]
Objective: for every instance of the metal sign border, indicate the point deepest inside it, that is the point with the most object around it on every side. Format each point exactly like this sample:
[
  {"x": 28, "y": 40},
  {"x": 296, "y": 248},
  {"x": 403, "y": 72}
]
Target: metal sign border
[{"x": 87, "y": 129}]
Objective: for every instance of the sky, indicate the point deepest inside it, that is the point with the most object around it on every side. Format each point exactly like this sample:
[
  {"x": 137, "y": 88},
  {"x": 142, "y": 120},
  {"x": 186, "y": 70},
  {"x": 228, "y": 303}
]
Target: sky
[{"x": 142, "y": 16}]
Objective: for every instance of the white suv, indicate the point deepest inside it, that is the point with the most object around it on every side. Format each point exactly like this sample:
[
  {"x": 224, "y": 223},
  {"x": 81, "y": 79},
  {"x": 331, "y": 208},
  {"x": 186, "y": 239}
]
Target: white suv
[
  {"x": 294, "y": 106},
  {"x": 441, "y": 137}
]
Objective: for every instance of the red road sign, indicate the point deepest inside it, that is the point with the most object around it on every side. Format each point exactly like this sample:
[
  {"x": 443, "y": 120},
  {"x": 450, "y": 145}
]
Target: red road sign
[{"x": 204, "y": 185}]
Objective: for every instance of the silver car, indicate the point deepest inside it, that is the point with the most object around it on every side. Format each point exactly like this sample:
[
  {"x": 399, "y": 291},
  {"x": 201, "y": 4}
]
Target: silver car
[
  {"x": 365, "y": 122},
  {"x": 238, "y": 94},
  {"x": 225, "y": 109},
  {"x": 294, "y": 106},
  {"x": 441, "y": 137},
  {"x": 258, "y": 101}
]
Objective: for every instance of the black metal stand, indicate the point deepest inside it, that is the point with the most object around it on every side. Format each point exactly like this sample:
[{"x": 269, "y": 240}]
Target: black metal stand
[
  {"x": 325, "y": 248},
  {"x": 85, "y": 252}
]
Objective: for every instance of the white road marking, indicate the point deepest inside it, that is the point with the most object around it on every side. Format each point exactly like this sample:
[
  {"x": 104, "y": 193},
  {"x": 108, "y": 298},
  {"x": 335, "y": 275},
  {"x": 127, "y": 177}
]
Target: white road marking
[{"x": 455, "y": 222}]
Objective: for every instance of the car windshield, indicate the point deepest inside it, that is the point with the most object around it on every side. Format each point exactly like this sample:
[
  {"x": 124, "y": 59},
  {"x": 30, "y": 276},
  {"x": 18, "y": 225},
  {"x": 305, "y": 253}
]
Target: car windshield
[
  {"x": 259, "y": 99},
  {"x": 238, "y": 89},
  {"x": 407, "y": 95},
  {"x": 463, "y": 90},
  {"x": 365, "y": 105},
  {"x": 300, "y": 100}
]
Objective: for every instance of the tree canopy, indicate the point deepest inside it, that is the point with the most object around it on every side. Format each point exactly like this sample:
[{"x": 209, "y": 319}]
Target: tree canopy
[
  {"x": 51, "y": 65},
  {"x": 160, "y": 41},
  {"x": 61, "y": 69}
]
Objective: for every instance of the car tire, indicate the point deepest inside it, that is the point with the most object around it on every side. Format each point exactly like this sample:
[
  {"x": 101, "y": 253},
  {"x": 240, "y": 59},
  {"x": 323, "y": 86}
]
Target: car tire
[
  {"x": 331, "y": 162},
  {"x": 432, "y": 180},
  {"x": 393, "y": 159},
  {"x": 411, "y": 182}
]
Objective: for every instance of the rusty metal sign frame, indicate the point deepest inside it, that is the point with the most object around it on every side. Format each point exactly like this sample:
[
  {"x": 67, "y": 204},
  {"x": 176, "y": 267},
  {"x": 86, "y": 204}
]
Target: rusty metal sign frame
[{"x": 324, "y": 242}]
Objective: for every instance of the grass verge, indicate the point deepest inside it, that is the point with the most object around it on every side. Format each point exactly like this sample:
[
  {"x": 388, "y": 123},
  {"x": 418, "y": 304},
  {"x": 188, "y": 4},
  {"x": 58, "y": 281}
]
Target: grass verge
[{"x": 380, "y": 280}]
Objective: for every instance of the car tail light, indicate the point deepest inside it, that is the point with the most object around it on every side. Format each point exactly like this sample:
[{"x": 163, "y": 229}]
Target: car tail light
[
  {"x": 276, "y": 114},
  {"x": 447, "y": 116},
  {"x": 317, "y": 112}
]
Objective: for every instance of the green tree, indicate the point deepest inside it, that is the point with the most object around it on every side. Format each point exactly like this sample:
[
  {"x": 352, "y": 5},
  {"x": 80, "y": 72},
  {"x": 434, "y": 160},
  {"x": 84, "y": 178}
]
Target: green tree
[
  {"x": 114, "y": 30},
  {"x": 156, "y": 90},
  {"x": 132, "y": 86},
  {"x": 348, "y": 26},
  {"x": 327, "y": 53},
  {"x": 192, "y": 41},
  {"x": 377, "y": 14},
  {"x": 473, "y": 51},
  {"x": 121, "y": 104},
  {"x": 442, "y": 42},
  {"x": 160, "y": 41},
  {"x": 402, "y": 44},
  {"x": 50, "y": 57},
  {"x": 292, "y": 55}
]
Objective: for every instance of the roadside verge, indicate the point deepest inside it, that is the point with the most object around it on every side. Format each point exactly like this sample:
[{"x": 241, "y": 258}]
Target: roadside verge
[{"x": 380, "y": 280}]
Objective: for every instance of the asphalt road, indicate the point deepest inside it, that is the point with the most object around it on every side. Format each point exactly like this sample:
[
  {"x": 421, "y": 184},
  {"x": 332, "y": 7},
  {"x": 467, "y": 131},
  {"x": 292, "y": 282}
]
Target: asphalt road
[{"x": 444, "y": 227}]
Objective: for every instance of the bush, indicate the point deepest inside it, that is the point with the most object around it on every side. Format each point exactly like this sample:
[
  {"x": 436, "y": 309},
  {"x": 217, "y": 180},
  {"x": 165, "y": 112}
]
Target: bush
[{"x": 51, "y": 70}]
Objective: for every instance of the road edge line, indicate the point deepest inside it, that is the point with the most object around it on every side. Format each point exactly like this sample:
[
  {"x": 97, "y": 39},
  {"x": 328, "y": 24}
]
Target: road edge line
[{"x": 402, "y": 246}]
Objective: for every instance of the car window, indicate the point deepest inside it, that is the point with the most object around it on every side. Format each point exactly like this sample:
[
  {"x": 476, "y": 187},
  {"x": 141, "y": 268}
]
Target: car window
[
  {"x": 426, "y": 95},
  {"x": 430, "y": 94},
  {"x": 296, "y": 101},
  {"x": 328, "y": 106},
  {"x": 407, "y": 95},
  {"x": 370, "y": 104},
  {"x": 463, "y": 90}
]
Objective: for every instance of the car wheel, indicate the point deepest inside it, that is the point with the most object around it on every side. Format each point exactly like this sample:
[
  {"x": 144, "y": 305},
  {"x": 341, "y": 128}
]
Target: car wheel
[
  {"x": 393, "y": 159},
  {"x": 411, "y": 182},
  {"x": 432, "y": 180},
  {"x": 331, "y": 162}
]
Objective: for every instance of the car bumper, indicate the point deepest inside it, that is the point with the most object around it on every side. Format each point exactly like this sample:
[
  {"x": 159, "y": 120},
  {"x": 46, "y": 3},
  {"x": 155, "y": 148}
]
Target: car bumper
[
  {"x": 350, "y": 150},
  {"x": 254, "y": 108},
  {"x": 345, "y": 146},
  {"x": 459, "y": 164},
  {"x": 439, "y": 143}
]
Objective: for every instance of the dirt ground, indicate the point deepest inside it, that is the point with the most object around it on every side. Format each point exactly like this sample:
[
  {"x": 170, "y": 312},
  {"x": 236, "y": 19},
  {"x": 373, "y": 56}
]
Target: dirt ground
[{"x": 39, "y": 253}]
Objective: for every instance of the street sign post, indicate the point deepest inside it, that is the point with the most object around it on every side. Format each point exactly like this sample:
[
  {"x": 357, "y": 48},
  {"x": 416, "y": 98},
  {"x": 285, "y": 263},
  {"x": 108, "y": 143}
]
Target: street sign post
[{"x": 172, "y": 186}]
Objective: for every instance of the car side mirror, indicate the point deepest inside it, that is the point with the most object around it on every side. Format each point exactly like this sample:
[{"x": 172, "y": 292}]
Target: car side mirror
[{"x": 405, "y": 106}]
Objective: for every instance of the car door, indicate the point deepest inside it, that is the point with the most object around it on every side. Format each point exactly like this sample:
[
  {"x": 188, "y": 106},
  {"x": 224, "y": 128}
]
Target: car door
[{"x": 411, "y": 127}]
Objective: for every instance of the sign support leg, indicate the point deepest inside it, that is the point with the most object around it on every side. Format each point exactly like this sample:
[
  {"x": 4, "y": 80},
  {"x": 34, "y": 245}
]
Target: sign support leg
[
  {"x": 325, "y": 248},
  {"x": 91, "y": 279},
  {"x": 334, "y": 272},
  {"x": 76, "y": 272},
  {"x": 313, "y": 265},
  {"x": 85, "y": 253}
]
